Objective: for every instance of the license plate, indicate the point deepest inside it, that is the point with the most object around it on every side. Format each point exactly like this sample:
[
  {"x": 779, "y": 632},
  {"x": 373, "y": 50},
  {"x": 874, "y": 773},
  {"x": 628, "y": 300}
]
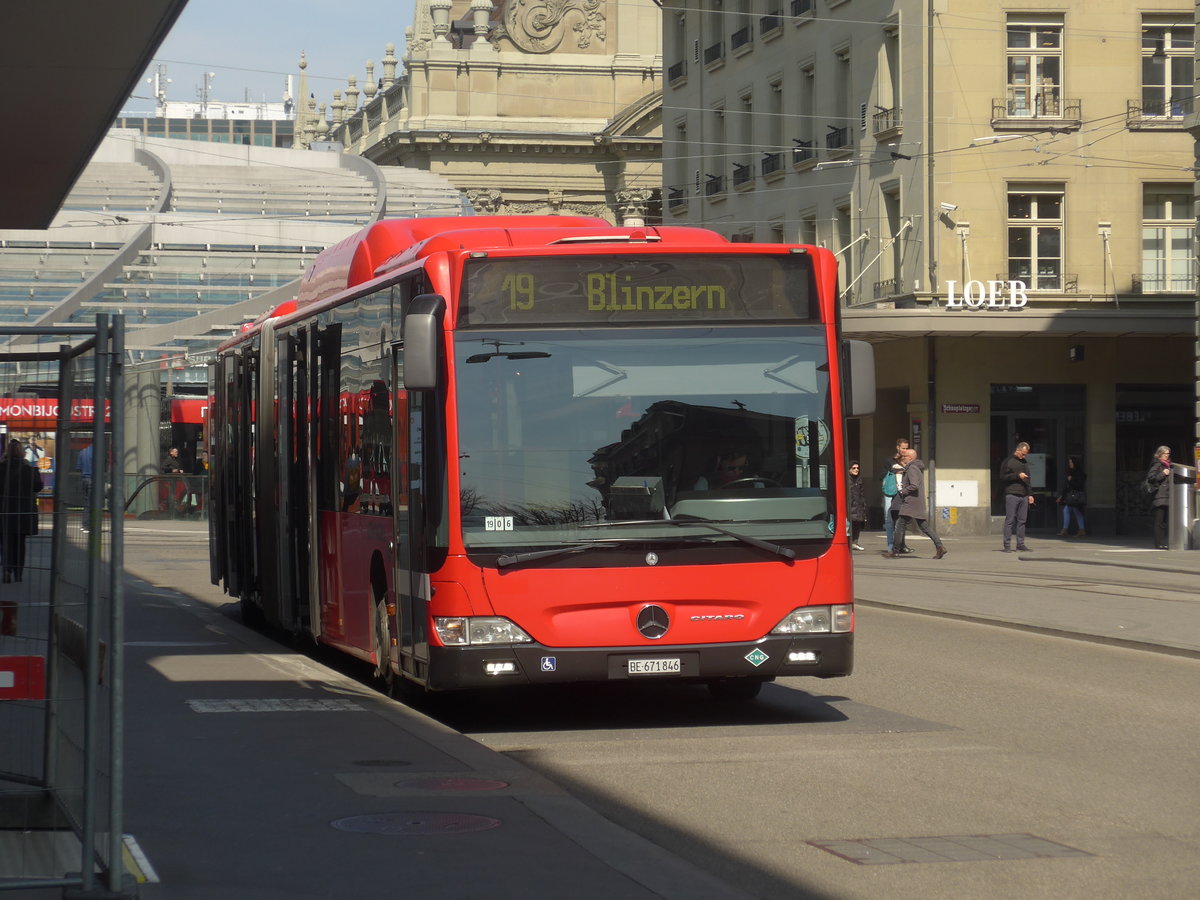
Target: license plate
[{"x": 658, "y": 666}]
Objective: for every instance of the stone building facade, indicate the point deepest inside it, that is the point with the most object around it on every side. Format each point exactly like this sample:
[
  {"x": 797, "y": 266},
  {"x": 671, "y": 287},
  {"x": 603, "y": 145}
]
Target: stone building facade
[
  {"x": 527, "y": 107},
  {"x": 1008, "y": 187}
]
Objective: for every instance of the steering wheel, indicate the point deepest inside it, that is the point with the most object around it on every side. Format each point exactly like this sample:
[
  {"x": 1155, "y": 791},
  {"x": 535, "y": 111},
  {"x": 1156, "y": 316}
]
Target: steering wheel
[{"x": 769, "y": 482}]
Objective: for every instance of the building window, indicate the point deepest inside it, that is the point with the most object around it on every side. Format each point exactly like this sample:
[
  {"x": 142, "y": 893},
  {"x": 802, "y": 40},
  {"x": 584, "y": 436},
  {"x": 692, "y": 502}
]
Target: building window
[
  {"x": 743, "y": 166},
  {"x": 805, "y": 150},
  {"x": 844, "y": 243},
  {"x": 1167, "y": 68},
  {"x": 714, "y": 185},
  {"x": 1035, "y": 65},
  {"x": 891, "y": 257},
  {"x": 1168, "y": 230},
  {"x": 772, "y": 157},
  {"x": 807, "y": 232},
  {"x": 1035, "y": 224},
  {"x": 887, "y": 110}
]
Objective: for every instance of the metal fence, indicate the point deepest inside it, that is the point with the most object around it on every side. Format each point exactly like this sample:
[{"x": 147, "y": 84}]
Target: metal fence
[{"x": 61, "y": 606}]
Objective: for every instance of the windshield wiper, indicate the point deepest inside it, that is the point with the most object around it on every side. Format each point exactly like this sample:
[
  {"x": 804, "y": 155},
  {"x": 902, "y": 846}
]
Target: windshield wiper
[
  {"x": 686, "y": 519},
  {"x": 512, "y": 559},
  {"x": 777, "y": 549}
]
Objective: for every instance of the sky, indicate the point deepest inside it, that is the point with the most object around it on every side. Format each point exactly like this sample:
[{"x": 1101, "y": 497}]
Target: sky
[{"x": 253, "y": 45}]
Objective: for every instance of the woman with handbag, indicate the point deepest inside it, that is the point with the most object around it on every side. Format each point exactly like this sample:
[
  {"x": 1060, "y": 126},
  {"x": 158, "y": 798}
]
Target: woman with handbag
[
  {"x": 1073, "y": 497},
  {"x": 19, "y": 486}
]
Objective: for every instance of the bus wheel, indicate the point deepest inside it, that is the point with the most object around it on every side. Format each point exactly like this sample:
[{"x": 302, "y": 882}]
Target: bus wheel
[
  {"x": 252, "y": 616},
  {"x": 735, "y": 688},
  {"x": 382, "y": 646}
]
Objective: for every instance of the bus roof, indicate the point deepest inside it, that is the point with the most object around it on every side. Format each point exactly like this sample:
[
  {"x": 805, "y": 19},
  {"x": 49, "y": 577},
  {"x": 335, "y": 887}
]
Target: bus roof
[{"x": 385, "y": 245}]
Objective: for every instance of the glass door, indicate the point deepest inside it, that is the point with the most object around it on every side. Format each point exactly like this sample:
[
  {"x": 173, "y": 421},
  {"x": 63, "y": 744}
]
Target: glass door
[{"x": 1050, "y": 419}]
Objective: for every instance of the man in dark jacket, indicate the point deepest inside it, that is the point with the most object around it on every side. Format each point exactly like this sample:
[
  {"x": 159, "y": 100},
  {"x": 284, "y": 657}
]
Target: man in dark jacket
[
  {"x": 1018, "y": 496},
  {"x": 912, "y": 506}
]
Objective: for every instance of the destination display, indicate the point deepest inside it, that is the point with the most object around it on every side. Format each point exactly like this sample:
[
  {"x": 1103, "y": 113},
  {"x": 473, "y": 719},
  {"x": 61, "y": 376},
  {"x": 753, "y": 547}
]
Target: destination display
[{"x": 647, "y": 289}]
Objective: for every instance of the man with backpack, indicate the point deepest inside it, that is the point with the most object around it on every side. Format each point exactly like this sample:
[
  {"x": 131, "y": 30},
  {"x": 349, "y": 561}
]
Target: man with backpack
[
  {"x": 893, "y": 469},
  {"x": 912, "y": 506}
]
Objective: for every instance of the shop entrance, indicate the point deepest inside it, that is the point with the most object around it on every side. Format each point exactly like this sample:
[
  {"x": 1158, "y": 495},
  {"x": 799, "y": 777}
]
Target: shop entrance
[
  {"x": 1048, "y": 417},
  {"x": 1148, "y": 416}
]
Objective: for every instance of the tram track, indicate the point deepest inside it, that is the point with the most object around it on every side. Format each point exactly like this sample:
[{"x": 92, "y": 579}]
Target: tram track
[{"x": 1127, "y": 587}]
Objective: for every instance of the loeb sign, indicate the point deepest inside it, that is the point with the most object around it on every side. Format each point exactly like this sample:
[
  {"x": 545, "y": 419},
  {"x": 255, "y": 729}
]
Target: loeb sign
[{"x": 987, "y": 295}]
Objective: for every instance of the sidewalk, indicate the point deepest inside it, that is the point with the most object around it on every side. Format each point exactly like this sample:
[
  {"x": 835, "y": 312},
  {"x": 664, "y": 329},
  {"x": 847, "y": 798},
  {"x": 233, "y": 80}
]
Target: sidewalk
[
  {"x": 1110, "y": 590},
  {"x": 257, "y": 773}
]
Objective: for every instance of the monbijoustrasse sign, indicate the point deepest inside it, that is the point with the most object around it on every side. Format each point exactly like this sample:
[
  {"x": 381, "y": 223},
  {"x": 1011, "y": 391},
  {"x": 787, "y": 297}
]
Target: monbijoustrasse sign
[{"x": 987, "y": 295}]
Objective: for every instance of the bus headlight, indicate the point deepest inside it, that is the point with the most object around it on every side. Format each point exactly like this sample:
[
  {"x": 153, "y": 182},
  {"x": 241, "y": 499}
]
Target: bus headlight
[
  {"x": 817, "y": 620},
  {"x": 459, "y": 631}
]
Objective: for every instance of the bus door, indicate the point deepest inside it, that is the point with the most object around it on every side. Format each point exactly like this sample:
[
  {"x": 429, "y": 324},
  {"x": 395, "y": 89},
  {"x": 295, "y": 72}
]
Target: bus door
[
  {"x": 266, "y": 482},
  {"x": 292, "y": 541},
  {"x": 327, "y": 463},
  {"x": 308, "y": 534},
  {"x": 409, "y": 578},
  {"x": 233, "y": 465}
]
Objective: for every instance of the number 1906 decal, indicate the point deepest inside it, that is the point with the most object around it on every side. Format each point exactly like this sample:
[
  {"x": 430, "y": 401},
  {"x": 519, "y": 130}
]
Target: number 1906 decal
[{"x": 498, "y": 523}]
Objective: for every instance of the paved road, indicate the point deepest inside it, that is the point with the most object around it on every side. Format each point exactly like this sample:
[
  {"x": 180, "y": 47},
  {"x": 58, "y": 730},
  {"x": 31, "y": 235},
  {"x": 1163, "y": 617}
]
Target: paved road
[
  {"x": 243, "y": 804},
  {"x": 950, "y": 737},
  {"x": 1112, "y": 591}
]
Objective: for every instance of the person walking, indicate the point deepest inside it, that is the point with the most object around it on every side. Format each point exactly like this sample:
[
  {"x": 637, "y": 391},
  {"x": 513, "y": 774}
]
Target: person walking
[
  {"x": 83, "y": 463},
  {"x": 174, "y": 491},
  {"x": 912, "y": 506},
  {"x": 893, "y": 468},
  {"x": 1159, "y": 478},
  {"x": 1018, "y": 496},
  {"x": 19, "y": 486},
  {"x": 1073, "y": 497},
  {"x": 856, "y": 503}
]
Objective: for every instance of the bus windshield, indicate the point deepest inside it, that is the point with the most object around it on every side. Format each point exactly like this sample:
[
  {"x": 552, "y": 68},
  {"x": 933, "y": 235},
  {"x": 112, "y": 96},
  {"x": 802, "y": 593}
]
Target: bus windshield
[{"x": 568, "y": 437}]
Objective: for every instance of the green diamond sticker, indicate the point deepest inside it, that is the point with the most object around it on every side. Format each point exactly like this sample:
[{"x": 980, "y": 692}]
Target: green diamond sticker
[{"x": 756, "y": 657}]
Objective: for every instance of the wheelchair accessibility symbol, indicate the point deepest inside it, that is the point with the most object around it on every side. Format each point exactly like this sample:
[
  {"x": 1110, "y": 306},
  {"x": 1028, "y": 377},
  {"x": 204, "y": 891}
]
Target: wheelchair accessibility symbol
[{"x": 549, "y": 663}]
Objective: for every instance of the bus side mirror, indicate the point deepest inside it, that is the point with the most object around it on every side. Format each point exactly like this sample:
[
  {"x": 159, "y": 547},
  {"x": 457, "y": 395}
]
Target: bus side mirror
[
  {"x": 858, "y": 378},
  {"x": 423, "y": 342}
]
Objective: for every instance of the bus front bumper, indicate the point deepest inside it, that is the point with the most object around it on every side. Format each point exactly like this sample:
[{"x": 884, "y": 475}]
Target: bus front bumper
[{"x": 775, "y": 656}]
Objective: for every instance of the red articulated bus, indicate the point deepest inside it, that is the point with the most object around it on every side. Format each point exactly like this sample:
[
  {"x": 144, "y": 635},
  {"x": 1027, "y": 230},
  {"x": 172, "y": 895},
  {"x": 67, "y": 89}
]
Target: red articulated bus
[{"x": 542, "y": 449}]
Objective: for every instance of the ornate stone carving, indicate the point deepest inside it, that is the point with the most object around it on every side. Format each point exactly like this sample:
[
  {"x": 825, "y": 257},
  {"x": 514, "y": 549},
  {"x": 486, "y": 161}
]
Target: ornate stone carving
[
  {"x": 632, "y": 204},
  {"x": 540, "y": 26},
  {"x": 526, "y": 209},
  {"x": 486, "y": 201}
]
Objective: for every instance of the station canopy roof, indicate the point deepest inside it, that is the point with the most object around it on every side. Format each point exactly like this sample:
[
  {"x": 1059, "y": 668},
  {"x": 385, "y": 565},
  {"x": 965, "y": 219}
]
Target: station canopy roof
[{"x": 66, "y": 69}]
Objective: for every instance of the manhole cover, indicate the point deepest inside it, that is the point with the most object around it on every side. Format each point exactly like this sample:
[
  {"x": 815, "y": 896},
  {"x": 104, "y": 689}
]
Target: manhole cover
[
  {"x": 417, "y": 823},
  {"x": 947, "y": 848},
  {"x": 452, "y": 784}
]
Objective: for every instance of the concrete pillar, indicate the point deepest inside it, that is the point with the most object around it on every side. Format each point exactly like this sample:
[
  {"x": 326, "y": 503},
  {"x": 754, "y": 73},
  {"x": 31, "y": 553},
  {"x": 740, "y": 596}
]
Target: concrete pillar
[{"x": 142, "y": 407}]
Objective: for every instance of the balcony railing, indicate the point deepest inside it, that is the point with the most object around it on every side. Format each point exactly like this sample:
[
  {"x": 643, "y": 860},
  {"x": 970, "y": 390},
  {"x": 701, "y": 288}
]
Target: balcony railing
[
  {"x": 714, "y": 185},
  {"x": 1034, "y": 108},
  {"x": 676, "y": 71},
  {"x": 803, "y": 152},
  {"x": 740, "y": 38},
  {"x": 837, "y": 138},
  {"x": 1164, "y": 284},
  {"x": 677, "y": 198},
  {"x": 1043, "y": 281},
  {"x": 770, "y": 22},
  {"x": 771, "y": 163},
  {"x": 802, "y": 7},
  {"x": 1163, "y": 114},
  {"x": 886, "y": 120},
  {"x": 714, "y": 53},
  {"x": 889, "y": 288},
  {"x": 743, "y": 174}
]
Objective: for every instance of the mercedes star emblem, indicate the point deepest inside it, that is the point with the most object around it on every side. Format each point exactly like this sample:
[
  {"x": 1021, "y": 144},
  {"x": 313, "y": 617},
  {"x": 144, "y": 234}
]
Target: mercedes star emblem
[{"x": 653, "y": 622}]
